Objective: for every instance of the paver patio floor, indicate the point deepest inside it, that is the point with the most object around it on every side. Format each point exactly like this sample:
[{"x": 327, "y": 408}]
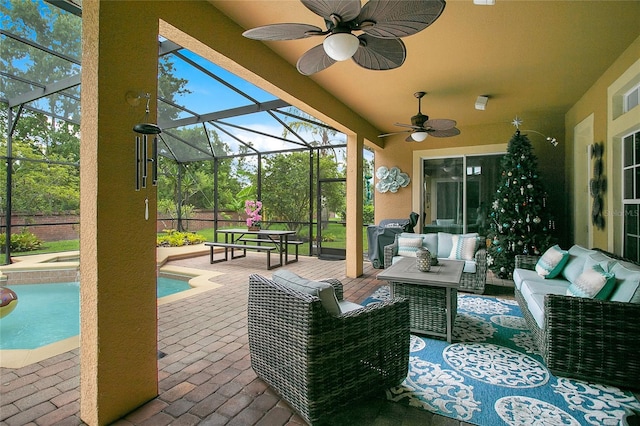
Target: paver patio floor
[{"x": 205, "y": 376}]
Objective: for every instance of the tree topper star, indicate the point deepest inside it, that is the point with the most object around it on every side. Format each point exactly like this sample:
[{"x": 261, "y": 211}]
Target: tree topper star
[{"x": 517, "y": 122}]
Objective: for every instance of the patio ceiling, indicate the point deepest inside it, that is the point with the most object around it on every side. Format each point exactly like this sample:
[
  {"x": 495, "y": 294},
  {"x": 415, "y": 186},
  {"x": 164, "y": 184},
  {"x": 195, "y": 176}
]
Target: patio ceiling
[
  {"x": 217, "y": 116},
  {"x": 535, "y": 59}
]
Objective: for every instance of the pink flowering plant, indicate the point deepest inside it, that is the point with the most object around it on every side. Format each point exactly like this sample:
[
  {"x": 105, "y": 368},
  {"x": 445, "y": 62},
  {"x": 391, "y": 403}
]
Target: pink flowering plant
[{"x": 252, "y": 209}]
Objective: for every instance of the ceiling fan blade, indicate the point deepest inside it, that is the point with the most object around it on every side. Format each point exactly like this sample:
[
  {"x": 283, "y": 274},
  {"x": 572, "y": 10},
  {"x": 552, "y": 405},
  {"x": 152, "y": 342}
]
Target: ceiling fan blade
[
  {"x": 380, "y": 54},
  {"x": 314, "y": 60},
  {"x": 282, "y": 32},
  {"x": 440, "y": 124},
  {"x": 444, "y": 133},
  {"x": 394, "y": 133},
  {"x": 399, "y": 18},
  {"x": 411, "y": 126},
  {"x": 348, "y": 10}
]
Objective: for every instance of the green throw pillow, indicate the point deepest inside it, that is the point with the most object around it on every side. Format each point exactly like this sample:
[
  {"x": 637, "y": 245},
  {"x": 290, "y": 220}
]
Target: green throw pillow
[
  {"x": 552, "y": 262},
  {"x": 594, "y": 283}
]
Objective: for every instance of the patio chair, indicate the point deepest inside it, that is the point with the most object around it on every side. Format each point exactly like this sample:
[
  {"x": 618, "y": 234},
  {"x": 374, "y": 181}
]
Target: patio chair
[{"x": 317, "y": 361}]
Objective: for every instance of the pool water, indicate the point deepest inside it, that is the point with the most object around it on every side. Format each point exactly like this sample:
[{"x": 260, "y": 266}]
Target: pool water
[{"x": 47, "y": 313}]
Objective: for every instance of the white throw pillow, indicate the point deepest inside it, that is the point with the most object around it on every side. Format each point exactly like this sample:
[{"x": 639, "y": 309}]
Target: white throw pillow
[
  {"x": 408, "y": 246},
  {"x": 463, "y": 247},
  {"x": 552, "y": 262}
]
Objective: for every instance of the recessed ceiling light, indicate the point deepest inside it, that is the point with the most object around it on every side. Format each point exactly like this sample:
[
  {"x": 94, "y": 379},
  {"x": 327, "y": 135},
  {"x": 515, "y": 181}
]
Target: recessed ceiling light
[{"x": 484, "y": 2}]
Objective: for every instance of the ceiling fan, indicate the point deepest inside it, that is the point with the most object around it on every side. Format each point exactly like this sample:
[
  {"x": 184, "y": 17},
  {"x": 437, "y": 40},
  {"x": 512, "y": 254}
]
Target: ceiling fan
[
  {"x": 382, "y": 22},
  {"x": 421, "y": 126}
]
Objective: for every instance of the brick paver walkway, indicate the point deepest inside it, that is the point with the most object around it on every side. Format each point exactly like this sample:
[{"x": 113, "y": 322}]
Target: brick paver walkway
[{"x": 205, "y": 376}]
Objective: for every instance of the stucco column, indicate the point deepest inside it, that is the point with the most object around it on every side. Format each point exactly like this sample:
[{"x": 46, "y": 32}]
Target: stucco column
[
  {"x": 355, "y": 145},
  {"x": 118, "y": 343}
]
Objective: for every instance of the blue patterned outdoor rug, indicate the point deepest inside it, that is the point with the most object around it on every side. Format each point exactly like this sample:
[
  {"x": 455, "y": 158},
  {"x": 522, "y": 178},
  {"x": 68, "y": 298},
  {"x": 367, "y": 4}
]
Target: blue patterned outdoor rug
[{"x": 492, "y": 374}]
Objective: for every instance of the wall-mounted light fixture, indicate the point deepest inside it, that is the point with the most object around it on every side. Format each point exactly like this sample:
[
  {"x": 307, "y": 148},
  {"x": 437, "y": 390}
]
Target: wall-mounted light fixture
[{"x": 481, "y": 102}]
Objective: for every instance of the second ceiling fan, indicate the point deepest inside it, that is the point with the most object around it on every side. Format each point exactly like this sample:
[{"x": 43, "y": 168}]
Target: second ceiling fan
[{"x": 421, "y": 126}]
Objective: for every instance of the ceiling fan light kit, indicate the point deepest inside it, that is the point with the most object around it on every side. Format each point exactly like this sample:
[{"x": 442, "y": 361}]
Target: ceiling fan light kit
[
  {"x": 419, "y": 136},
  {"x": 421, "y": 126},
  {"x": 481, "y": 102},
  {"x": 341, "y": 46},
  {"x": 381, "y": 22}
]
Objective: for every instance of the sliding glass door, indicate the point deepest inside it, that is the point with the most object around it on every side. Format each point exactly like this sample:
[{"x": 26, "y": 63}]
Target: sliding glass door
[{"x": 458, "y": 191}]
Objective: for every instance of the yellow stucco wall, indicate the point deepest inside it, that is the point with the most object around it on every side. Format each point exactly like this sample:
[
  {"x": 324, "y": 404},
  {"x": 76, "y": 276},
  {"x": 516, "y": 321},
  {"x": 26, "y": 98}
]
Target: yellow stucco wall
[
  {"x": 595, "y": 103},
  {"x": 117, "y": 246}
]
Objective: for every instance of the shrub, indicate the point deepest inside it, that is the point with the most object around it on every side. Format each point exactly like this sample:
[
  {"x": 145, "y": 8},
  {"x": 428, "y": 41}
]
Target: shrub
[
  {"x": 174, "y": 238},
  {"x": 24, "y": 241}
]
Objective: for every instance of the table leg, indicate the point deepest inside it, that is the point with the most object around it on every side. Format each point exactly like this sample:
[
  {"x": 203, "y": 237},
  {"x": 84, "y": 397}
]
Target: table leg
[{"x": 450, "y": 318}]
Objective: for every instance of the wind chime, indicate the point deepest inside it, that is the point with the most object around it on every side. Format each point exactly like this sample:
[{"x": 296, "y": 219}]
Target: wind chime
[{"x": 143, "y": 130}]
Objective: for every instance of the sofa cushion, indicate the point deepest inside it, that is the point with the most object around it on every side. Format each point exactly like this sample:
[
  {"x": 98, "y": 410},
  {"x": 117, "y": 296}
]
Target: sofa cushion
[
  {"x": 575, "y": 263},
  {"x": 324, "y": 291},
  {"x": 594, "y": 283},
  {"x": 430, "y": 242},
  {"x": 534, "y": 290},
  {"x": 470, "y": 266},
  {"x": 408, "y": 246},
  {"x": 627, "y": 287},
  {"x": 552, "y": 262},
  {"x": 520, "y": 275},
  {"x": 346, "y": 306},
  {"x": 463, "y": 247}
]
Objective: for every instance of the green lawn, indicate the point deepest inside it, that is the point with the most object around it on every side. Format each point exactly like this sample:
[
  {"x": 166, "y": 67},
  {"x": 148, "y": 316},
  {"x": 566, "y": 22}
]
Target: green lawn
[{"x": 334, "y": 235}]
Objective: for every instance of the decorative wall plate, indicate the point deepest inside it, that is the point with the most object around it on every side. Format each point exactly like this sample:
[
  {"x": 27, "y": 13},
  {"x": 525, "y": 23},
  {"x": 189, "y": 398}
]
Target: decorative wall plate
[{"x": 391, "y": 179}]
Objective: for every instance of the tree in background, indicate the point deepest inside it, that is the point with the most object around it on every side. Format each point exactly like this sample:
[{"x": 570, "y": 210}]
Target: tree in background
[
  {"x": 519, "y": 218},
  {"x": 285, "y": 188}
]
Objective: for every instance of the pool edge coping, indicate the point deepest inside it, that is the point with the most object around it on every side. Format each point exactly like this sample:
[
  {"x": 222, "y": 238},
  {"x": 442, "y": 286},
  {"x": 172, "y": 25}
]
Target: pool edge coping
[{"x": 200, "y": 281}]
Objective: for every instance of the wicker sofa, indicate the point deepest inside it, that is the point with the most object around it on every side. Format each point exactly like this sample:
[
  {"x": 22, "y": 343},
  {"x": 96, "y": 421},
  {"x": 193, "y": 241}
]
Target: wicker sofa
[
  {"x": 319, "y": 361},
  {"x": 474, "y": 275},
  {"x": 579, "y": 337}
]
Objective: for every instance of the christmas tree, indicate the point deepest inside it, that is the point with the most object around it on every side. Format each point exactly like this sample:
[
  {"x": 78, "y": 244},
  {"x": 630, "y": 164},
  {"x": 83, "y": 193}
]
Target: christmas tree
[{"x": 519, "y": 218}]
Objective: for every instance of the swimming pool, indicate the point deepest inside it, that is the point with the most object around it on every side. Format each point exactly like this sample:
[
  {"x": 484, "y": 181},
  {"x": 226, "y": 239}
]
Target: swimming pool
[{"x": 48, "y": 313}]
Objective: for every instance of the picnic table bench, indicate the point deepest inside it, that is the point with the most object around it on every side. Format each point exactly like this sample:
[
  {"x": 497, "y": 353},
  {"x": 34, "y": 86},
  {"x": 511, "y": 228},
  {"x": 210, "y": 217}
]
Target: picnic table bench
[
  {"x": 244, "y": 248},
  {"x": 296, "y": 244}
]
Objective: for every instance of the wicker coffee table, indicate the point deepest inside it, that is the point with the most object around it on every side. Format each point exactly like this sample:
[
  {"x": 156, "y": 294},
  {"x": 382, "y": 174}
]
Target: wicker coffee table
[{"x": 433, "y": 295}]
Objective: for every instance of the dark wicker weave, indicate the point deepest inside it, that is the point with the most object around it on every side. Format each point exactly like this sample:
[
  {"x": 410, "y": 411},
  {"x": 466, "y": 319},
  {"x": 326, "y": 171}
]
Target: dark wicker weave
[
  {"x": 427, "y": 305},
  {"x": 319, "y": 363},
  {"x": 587, "y": 339},
  {"x": 472, "y": 283}
]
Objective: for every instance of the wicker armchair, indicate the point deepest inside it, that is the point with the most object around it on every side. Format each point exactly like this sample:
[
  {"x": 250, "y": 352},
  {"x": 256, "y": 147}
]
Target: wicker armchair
[
  {"x": 469, "y": 282},
  {"x": 317, "y": 362},
  {"x": 587, "y": 339}
]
